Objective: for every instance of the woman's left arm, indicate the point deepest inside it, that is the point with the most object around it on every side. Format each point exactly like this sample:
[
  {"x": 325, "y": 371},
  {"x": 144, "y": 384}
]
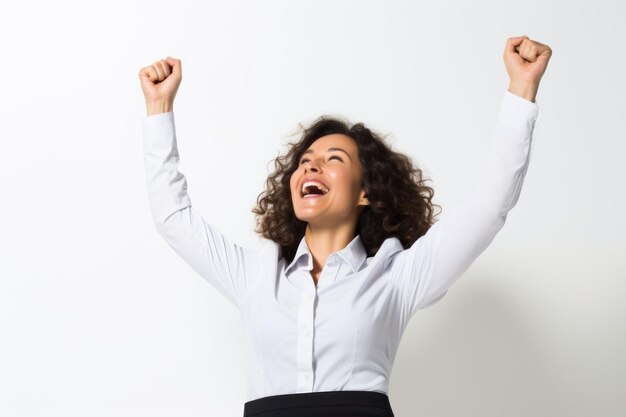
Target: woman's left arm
[{"x": 425, "y": 271}]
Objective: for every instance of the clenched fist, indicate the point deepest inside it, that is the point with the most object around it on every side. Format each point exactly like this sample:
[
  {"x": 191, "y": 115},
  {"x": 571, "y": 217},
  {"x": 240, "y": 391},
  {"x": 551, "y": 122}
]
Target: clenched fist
[
  {"x": 526, "y": 61},
  {"x": 160, "y": 82}
]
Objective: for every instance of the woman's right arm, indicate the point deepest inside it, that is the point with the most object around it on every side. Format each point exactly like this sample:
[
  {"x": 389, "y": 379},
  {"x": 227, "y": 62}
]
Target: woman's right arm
[{"x": 221, "y": 262}]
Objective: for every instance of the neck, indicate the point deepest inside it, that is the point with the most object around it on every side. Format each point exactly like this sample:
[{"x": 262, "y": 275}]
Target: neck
[{"x": 322, "y": 242}]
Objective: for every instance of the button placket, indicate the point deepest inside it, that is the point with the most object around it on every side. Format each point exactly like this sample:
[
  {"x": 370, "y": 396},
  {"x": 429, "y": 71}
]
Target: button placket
[{"x": 305, "y": 341}]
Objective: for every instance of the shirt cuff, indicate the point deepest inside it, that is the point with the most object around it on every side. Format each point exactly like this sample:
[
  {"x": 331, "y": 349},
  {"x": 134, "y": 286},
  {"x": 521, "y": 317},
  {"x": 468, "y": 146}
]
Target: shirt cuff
[
  {"x": 159, "y": 133},
  {"x": 518, "y": 113},
  {"x": 157, "y": 116}
]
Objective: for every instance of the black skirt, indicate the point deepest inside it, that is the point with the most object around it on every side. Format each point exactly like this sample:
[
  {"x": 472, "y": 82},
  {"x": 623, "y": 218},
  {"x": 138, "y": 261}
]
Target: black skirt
[{"x": 321, "y": 403}]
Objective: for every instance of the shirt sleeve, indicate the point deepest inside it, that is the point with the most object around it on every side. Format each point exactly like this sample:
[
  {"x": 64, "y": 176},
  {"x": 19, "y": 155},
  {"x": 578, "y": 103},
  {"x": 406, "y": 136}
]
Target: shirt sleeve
[
  {"x": 221, "y": 262},
  {"x": 425, "y": 271}
]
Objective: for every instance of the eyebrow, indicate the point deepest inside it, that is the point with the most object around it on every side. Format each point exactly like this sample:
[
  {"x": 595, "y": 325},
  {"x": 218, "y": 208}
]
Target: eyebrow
[{"x": 328, "y": 150}]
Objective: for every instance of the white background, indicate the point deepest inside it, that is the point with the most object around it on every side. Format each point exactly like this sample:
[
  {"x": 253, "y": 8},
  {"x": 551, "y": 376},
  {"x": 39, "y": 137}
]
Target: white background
[{"x": 99, "y": 317}]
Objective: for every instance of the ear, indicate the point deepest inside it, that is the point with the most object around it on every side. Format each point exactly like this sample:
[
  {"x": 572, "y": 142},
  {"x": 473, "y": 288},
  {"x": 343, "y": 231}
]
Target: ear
[{"x": 363, "y": 199}]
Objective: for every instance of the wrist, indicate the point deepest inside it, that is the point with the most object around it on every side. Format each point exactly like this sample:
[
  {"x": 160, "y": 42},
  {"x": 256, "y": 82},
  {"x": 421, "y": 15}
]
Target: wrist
[
  {"x": 159, "y": 106},
  {"x": 527, "y": 91}
]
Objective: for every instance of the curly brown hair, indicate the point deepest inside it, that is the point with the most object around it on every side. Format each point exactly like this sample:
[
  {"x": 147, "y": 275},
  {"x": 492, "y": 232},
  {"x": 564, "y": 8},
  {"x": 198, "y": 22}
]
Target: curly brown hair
[{"x": 400, "y": 201}]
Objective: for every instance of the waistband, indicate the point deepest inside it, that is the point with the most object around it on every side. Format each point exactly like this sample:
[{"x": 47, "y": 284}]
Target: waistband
[{"x": 322, "y": 403}]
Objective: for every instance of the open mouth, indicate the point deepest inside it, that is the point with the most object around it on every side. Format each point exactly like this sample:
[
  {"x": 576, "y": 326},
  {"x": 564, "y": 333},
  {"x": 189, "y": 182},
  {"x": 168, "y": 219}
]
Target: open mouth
[{"x": 311, "y": 190}]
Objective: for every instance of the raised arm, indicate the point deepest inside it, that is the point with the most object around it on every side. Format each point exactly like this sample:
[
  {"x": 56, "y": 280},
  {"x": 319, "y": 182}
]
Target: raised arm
[
  {"x": 425, "y": 271},
  {"x": 221, "y": 262}
]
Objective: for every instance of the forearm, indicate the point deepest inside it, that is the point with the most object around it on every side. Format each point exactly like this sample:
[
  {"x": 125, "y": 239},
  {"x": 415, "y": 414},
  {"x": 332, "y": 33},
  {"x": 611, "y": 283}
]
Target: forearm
[
  {"x": 167, "y": 186},
  {"x": 497, "y": 186}
]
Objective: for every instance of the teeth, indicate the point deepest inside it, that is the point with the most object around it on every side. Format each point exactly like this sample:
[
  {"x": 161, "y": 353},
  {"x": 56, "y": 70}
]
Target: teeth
[{"x": 315, "y": 183}]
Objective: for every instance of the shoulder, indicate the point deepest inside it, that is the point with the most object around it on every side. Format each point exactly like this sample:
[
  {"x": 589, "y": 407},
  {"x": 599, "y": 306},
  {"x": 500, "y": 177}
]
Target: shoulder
[
  {"x": 390, "y": 247},
  {"x": 269, "y": 249}
]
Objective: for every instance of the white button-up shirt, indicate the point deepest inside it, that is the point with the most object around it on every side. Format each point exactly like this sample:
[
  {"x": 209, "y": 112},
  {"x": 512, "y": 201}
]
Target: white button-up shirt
[{"x": 344, "y": 333}]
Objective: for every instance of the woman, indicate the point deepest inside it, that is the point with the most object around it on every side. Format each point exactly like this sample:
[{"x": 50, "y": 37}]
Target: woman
[{"x": 350, "y": 249}]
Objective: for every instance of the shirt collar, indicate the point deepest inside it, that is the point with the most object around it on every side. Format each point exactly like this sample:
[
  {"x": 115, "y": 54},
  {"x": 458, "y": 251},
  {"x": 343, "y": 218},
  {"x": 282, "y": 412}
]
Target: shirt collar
[{"x": 353, "y": 254}]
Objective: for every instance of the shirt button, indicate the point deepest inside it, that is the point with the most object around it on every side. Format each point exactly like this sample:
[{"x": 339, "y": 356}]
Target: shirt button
[
  {"x": 306, "y": 375},
  {"x": 308, "y": 333}
]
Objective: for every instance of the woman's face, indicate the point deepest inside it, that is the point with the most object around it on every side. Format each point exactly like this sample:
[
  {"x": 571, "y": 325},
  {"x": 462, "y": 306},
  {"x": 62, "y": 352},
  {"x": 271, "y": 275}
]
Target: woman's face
[{"x": 340, "y": 171}]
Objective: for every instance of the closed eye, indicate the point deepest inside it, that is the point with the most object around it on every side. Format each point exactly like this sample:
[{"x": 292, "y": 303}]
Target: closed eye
[{"x": 334, "y": 156}]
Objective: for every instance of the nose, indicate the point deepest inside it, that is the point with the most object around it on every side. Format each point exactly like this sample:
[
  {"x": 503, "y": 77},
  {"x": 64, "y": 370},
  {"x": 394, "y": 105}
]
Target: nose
[{"x": 312, "y": 165}]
